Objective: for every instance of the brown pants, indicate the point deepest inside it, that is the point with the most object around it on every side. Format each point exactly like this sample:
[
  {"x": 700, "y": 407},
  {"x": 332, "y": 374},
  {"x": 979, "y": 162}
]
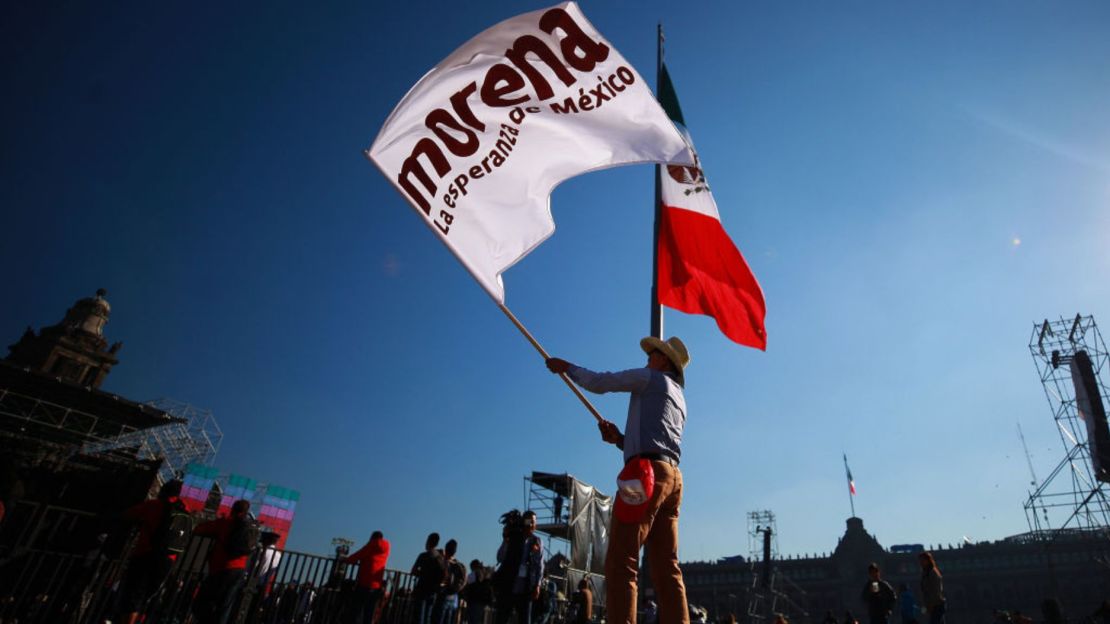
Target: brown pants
[{"x": 659, "y": 530}]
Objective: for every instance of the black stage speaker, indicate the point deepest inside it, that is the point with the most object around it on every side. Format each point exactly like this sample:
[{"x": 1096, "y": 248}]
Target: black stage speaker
[{"x": 1088, "y": 400}]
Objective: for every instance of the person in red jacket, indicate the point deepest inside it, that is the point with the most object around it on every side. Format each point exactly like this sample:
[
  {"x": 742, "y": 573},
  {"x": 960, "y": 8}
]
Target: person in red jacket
[
  {"x": 150, "y": 561},
  {"x": 371, "y": 560},
  {"x": 227, "y": 565}
]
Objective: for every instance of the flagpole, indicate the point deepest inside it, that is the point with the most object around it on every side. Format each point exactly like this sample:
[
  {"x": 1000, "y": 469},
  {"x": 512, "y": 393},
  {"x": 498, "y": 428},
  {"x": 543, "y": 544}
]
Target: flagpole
[
  {"x": 656, "y": 308},
  {"x": 508, "y": 313},
  {"x": 543, "y": 352},
  {"x": 848, "y": 475}
]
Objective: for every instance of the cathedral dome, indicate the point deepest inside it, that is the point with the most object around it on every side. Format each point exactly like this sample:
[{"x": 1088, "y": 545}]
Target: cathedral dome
[{"x": 89, "y": 315}]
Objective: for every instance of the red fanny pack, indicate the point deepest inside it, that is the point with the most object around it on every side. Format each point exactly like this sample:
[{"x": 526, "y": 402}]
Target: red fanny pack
[{"x": 635, "y": 486}]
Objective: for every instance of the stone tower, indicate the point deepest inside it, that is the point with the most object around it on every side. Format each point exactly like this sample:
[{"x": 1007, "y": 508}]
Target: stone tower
[{"x": 74, "y": 350}]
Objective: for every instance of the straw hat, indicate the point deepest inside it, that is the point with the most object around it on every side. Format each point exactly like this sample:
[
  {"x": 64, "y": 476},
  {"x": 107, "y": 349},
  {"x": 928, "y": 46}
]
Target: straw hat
[{"x": 674, "y": 350}]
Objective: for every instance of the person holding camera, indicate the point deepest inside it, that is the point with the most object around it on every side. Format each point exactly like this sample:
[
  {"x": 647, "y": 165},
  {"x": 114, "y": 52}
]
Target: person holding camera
[
  {"x": 520, "y": 567},
  {"x": 650, "y": 486}
]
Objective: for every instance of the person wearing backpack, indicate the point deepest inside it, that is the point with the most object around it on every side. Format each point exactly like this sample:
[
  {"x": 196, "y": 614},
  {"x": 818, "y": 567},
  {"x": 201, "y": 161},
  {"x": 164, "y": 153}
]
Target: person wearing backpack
[
  {"x": 430, "y": 569},
  {"x": 447, "y": 602},
  {"x": 164, "y": 525},
  {"x": 234, "y": 537}
]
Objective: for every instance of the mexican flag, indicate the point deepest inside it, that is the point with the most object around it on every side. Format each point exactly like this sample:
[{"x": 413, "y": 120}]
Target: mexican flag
[
  {"x": 851, "y": 481},
  {"x": 700, "y": 269}
]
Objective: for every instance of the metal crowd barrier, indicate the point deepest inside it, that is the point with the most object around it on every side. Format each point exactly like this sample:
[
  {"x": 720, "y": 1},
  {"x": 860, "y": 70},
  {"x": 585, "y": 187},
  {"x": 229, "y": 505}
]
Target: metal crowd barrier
[
  {"x": 61, "y": 566},
  {"x": 281, "y": 587}
]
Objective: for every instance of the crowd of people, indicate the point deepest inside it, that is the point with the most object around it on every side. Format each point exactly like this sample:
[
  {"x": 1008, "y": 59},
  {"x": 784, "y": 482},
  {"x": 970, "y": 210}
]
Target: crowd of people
[
  {"x": 241, "y": 584},
  {"x": 645, "y": 516},
  {"x": 164, "y": 529},
  {"x": 446, "y": 592},
  {"x": 440, "y": 588}
]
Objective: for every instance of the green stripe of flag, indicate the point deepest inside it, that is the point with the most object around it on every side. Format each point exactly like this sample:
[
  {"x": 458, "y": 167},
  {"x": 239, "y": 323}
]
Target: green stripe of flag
[{"x": 668, "y": 99}]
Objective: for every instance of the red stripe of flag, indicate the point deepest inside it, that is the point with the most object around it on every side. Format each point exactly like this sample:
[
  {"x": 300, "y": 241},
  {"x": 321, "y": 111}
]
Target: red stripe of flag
[{"x": 702, "y": 272}]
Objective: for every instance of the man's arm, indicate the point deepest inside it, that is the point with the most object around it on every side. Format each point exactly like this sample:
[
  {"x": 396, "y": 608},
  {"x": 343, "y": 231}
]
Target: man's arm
[
  {"x": 359, "y": 554},
  {"x": 631, "y": 380},
  {"x": 537, "y": 563}
]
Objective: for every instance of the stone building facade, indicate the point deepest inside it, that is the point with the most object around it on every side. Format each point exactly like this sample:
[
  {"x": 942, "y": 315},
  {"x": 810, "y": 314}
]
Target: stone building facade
[
  {"x": 63, "y": 469},
  {"x": 1013, "y": 574}
]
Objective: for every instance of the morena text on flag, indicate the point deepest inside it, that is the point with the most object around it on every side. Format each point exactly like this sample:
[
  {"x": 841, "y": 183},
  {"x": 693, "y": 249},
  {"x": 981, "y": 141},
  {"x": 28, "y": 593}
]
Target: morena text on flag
[
  {"x": 479, "y": 142},
  {"x": 503, "y": 86}
]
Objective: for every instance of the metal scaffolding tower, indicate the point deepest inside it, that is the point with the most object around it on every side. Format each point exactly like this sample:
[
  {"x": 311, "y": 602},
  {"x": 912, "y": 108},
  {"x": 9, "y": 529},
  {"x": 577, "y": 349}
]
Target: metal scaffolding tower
[
  {"x": 771, "y": 592},
  {"x": 576, "y": 515},
  {"x": 760, "y": 523},
  {"x": 194, "y": 438},
  {"x": 57, "y": 423},
  {"x": 195, "y": 441},
  {"x": 1070, "y": 497}
]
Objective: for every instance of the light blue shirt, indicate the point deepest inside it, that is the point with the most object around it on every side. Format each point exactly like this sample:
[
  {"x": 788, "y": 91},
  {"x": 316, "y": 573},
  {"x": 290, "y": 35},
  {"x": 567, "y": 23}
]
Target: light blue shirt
[{"x": 656, "y": 408}]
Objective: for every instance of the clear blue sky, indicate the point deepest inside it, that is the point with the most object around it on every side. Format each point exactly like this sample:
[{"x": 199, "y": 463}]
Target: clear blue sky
[{"x": 914, "y": 184}]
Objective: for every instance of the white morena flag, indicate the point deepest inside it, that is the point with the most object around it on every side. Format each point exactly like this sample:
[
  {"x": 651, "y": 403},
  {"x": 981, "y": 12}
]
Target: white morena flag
[{"x": 480, "y": 142}]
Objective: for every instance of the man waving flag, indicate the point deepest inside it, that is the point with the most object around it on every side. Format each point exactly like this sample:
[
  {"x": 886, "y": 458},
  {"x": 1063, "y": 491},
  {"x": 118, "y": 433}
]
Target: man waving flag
[{"x": 700, "y": 269}]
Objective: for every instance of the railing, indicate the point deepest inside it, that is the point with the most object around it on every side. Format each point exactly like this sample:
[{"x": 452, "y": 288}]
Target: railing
[
  {"x": 281, "y": 587},
  {"x": 63, "y": 566}
]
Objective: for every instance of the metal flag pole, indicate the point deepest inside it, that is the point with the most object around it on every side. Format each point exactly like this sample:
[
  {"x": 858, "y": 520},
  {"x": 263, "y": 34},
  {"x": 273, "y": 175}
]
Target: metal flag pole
[
  {"x": 536, "y": 344},
  {"x": 848, "y": 475},
  {"x": 512, "y": 317},
  {"x": 656, "y": 308}
]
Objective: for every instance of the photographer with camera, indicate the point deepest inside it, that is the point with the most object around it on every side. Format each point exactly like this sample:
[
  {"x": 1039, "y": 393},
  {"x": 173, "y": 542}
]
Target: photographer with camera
[
  {"x": 650, "y": 485},
  {"x": 520, "y": 567}
]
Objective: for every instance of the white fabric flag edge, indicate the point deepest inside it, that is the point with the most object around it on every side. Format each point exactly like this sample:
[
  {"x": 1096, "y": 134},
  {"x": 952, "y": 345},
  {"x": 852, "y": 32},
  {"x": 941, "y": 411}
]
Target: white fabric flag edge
[{"x": 679, "y": 151}]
